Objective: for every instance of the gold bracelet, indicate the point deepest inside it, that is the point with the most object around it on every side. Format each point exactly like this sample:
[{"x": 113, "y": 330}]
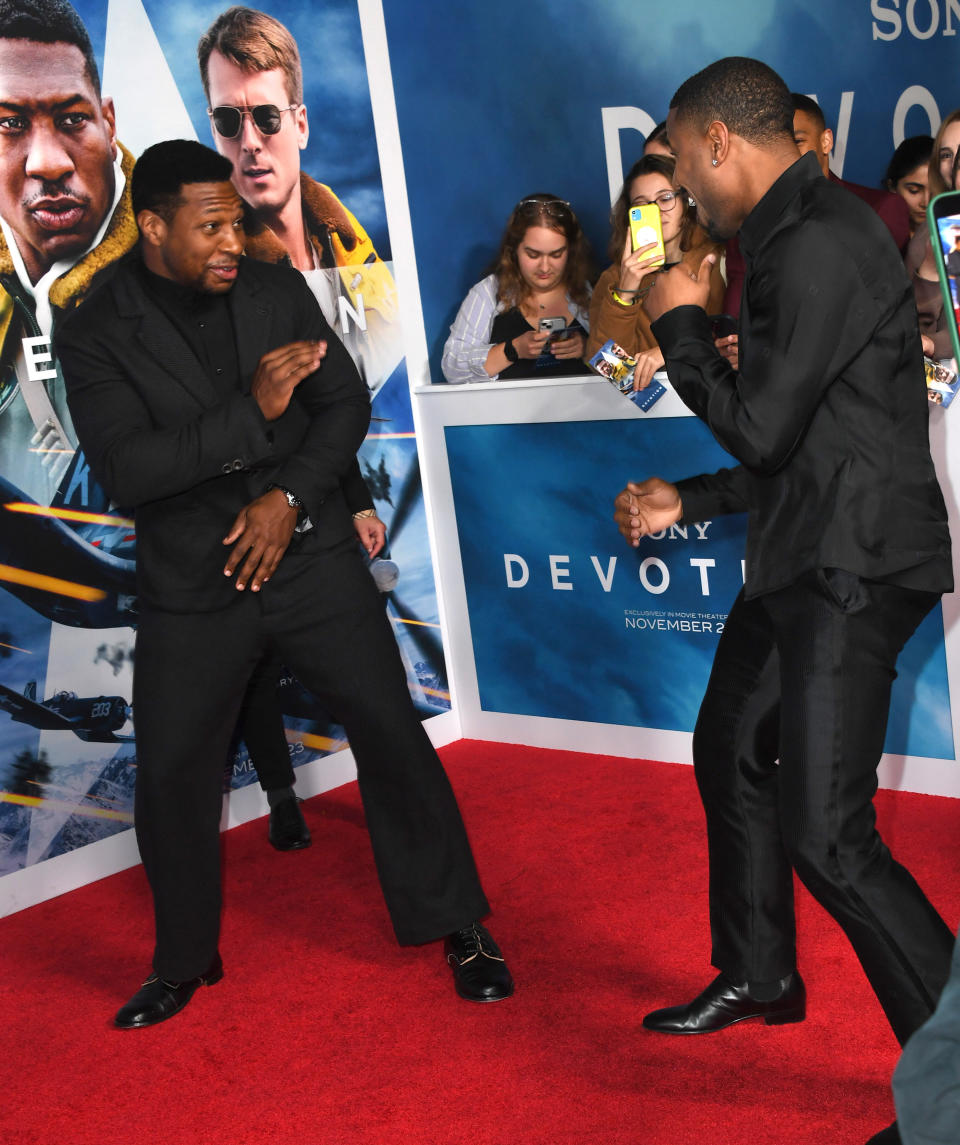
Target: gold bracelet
[{"x": 364, "y": 514}]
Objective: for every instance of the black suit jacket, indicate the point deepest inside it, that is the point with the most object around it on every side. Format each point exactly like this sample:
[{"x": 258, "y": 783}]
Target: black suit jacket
[
  {"x": 164, "y": 443},
  {"x": 828, "y": 412}
]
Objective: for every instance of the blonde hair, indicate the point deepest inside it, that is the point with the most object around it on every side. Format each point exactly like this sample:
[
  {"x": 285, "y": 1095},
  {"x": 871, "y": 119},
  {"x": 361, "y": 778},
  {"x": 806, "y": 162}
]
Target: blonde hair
[
  {"x": 255, "y": 42},
  {"x": 935, "y": 180}
]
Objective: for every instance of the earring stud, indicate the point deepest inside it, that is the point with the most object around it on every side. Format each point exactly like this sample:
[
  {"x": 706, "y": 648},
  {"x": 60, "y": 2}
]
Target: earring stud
[{"x": 714, "y": 162}]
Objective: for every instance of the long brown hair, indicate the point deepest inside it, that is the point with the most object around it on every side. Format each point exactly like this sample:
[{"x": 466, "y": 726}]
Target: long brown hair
[
  {"x": 542, "y": 210},
  {"x": 619, "y": 213}
]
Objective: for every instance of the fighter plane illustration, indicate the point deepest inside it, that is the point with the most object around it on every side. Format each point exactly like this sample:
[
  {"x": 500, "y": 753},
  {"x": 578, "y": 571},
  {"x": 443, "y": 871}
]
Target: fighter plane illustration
[
  {"x": 76, "y": 572},
  {"x": 96, "y": 719}
]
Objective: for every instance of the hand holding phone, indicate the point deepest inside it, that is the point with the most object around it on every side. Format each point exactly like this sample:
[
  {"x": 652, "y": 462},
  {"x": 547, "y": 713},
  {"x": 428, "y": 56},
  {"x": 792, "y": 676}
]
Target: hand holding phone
[
  {"x": 646, "y": 228},
  {"x": 531, "y": 344},
  {"x": 722, "y": 325},
  {"x": 556, "y": 328}
]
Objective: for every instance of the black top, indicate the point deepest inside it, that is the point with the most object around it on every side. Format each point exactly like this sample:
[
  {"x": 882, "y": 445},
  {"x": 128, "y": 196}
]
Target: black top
[
  {"x": 828, "y": 412},
  {"x": 512, "y": 324},
  {"x": 187, "y": 457},
  {"x": 204, "y": 321}
]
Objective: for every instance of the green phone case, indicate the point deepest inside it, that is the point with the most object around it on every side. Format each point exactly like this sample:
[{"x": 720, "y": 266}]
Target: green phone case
[{"x": 937, "y": 246}]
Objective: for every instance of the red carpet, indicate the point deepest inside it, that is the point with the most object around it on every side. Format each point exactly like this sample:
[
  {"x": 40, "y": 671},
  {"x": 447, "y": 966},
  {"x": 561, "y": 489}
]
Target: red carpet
[{"x": 325, "y": 1031}]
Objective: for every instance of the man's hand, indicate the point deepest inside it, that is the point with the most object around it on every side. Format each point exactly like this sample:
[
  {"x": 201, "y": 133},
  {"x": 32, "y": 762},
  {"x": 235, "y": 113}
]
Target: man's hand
[
  {"x": 371, "y": 533},
  {"x": 262, "y": 532},
  {"x": 280, "y": 372},
  {"x": 678, "y": 287},
  {"x": 729, "y": 347},
  {"x": 646, "y": 507},
  {"x": 648, "y": 362}
]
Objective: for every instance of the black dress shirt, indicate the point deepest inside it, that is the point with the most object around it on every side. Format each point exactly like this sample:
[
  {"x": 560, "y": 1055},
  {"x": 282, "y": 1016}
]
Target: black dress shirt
[
  {"x": 828, "y": 412},
  {"x": 205, "y": 322}
]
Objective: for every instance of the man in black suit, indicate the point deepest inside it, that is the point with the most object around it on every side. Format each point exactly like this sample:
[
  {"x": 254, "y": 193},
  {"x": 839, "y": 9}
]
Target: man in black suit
[
  {"x": 211, "y": 396},
  {"x": 847, "y": 551}
]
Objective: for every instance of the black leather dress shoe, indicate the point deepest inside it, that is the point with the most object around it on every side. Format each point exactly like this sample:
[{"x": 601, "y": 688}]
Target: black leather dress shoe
[
  {"x": 888, "y": 1136},
  {"x": 723, "y": 1003},
  {"x": 479, "y": 970},
  {"x": 288, "y": 830},
  {"x": 158, "y": 999}
]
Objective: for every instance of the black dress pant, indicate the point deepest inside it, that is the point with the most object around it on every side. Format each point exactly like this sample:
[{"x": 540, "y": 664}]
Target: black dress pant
[
  {"x": 323, "y": 616},
  {"x": 261, "y": 727},
  {"x": 804, "y": 674}
]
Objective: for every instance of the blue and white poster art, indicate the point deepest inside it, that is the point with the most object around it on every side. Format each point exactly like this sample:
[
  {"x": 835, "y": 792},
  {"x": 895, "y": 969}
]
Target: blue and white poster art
[{"x": 551, "y": 585}]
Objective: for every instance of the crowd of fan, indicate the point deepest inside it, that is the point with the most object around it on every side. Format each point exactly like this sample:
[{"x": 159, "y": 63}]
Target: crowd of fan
[{"x": 542, "y": 269}]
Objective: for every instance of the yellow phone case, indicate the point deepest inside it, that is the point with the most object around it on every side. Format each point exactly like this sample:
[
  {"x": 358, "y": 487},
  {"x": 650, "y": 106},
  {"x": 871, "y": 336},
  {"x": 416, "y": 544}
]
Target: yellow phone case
[{"x": 645, "y": 228}]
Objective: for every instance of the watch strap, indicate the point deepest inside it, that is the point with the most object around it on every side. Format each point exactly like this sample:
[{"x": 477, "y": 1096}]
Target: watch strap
[{"x": 292, "y": 499}]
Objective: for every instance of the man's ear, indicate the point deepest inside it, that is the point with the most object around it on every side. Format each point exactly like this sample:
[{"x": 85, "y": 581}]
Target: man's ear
[
  {"x": 110, "y": 119},
  {"x": 718, "y": 135},
  {"x": 152, "y": 227},
  {"x": 302, "y": 126},
  {"x": 826, "y": 141}
]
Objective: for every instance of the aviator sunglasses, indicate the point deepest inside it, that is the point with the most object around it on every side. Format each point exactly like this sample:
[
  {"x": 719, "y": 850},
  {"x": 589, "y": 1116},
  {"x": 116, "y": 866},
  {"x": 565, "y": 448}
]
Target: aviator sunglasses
[{"x": 267, "y": 117}]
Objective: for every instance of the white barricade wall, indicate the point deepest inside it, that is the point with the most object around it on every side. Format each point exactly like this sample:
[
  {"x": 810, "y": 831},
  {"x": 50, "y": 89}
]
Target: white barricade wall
[{"x": 561, "y": 635}]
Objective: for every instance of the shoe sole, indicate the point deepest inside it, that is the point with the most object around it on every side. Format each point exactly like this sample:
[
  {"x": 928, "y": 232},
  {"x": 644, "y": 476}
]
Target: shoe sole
[
  {"x": 783, "y": 1019},
  {"x": 290, "y": 846}
]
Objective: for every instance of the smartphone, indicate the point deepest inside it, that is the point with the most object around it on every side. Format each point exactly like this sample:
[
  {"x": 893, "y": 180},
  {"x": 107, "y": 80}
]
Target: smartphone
[
  {"x": 723, "y": 324},
  {"x": 943, "y": 219},
  {"x": 556, "y": 327},
  {"x": 645, "y": 228}
]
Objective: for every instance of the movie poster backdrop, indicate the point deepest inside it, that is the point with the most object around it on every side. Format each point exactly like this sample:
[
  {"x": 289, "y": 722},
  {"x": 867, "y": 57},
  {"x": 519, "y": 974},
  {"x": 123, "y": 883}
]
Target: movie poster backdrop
[
  {"x": 68, "y": 606},
  {"x": 493, "y": 101}
]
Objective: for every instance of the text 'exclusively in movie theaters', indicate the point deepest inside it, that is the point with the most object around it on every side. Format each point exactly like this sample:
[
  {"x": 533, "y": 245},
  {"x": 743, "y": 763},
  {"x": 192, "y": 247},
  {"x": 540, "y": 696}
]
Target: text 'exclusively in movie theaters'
[{"x": 657, "y": 620}]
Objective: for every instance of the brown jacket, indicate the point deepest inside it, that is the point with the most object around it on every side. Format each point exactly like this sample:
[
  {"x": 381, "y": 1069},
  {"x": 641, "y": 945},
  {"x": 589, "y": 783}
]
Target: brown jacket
[{"x": 629, "y": 326}]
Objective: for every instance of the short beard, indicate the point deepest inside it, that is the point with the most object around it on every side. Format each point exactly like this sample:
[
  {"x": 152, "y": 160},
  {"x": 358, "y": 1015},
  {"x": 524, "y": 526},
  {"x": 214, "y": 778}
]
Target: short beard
[{"x": 713, "y": 232}]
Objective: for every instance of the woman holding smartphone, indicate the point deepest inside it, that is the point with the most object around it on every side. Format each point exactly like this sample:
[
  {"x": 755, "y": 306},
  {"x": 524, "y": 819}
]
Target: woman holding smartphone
[
  {"x": 920, "y": 258},
  {"x": 508, "y": 325},
  {"x": 616, "y": 310}
]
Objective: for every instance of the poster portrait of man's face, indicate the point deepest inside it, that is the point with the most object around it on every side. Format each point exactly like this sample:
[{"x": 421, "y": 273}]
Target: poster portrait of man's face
[
  {"x": 57, "y": 150},
  {"x": 260, "y": 126}
]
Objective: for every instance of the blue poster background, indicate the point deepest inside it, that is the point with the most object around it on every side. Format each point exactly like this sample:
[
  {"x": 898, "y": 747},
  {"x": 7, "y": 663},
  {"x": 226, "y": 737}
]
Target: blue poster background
[{"x": 627, "y": 655}]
